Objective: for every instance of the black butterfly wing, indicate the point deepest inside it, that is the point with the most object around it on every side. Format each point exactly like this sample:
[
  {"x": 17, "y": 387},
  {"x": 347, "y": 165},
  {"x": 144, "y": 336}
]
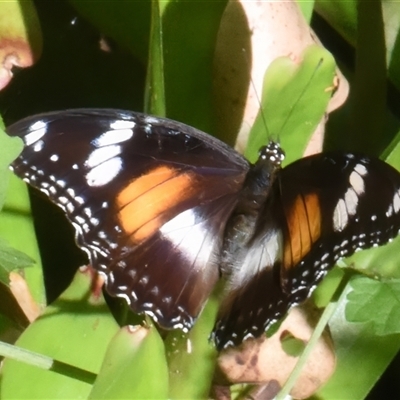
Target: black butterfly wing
[
  {"x": 148, "y": 197},
  {"x": 348, "y": 203},
  {"x": 321, "y": 208}
]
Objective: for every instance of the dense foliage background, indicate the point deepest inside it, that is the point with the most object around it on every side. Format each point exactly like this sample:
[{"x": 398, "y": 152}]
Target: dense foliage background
[{"x": 95, "y": 54}]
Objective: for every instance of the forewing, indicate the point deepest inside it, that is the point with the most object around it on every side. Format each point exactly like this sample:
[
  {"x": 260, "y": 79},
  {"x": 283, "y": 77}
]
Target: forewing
[{"x": 148, "y": 198}]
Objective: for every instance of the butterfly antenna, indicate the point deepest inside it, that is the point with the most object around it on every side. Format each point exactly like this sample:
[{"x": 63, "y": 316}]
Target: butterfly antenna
[
  {"x": 293, "y": 107},
  {"x": 262, "y": 111}
]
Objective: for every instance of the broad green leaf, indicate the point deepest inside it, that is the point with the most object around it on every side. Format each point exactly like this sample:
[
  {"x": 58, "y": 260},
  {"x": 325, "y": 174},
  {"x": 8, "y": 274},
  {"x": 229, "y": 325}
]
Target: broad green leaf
[
  {"x": 294, "y": 101},
  {"x": 74, "y": 330},
  {"x": 342, "y": 17},
  {"x": 9, "y": 150},
  {"x": 189, "y": 36},
  {"x": 368, "y": 112},
  {"x": 127, "y": 22},
  {"x": 357, "y": 349},
  {"x": 375, "y": 302},
  {"x": 191, "y": 358},
  {"x": 134, "y": 367},
  {"x": 16, "y": 225}
]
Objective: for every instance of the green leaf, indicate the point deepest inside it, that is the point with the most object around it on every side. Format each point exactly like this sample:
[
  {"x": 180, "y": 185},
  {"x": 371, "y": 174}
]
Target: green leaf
[
  {"x": 342, "y": 15},
  {"x": 368, "y": 112},
  {"x": 74, "y": 330},
  {"x": 134, "y": 367},
  {"x": 294, "y": 101},
  {"x": 375, "y": 302},
  {"x": 191, "y": 358},
  {"x": 293, "y": 346},
  {"x": 16, "y": 227},
  {"x": 9, "y": 150},
  {"x": 11, "y": 259},
  {"x": 127, "y": 22},
  {"x": 359, "y": 349},
  {"x": 189, "y": 36},
  {"x": 307, "y": 8}
]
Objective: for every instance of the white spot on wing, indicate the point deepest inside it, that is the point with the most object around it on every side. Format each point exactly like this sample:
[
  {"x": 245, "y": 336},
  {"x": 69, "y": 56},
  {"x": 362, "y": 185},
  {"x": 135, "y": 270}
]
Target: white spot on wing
[
  {"x": 396, "y": 202},
  {"x": 361, "y": 169},
  {"x": 104, "y": 173},
  {"x": 357, "y": 182},
  {"x": 113, "y": 137},
  {"x": 36, "y": 132},
  {"x": 351, "y": 200},
  {"x": 38, "y": 146},
  {"x": 191, "y": 236},
  {"x": 102, "y": 155},
  {"x": 340, "y": 216},
  {"x": 122, "y": 124}
]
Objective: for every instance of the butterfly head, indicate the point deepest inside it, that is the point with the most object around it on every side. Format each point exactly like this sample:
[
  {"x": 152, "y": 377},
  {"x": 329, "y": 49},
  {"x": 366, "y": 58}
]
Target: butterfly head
[{"x": 272, "y": 153}]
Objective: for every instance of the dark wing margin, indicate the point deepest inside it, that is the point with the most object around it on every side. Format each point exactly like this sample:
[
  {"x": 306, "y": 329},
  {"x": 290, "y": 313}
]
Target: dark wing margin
[{"x": 148, "y": 197}]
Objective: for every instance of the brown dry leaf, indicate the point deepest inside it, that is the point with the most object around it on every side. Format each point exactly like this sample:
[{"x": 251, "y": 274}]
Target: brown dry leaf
[
  {"x": 97, "y": 282},
  {"x": 22, "y": 294},
  {"x": 20, "y": 37},
  {"x": 253, "y": 34},
  {"x": 263, "y": 361}
]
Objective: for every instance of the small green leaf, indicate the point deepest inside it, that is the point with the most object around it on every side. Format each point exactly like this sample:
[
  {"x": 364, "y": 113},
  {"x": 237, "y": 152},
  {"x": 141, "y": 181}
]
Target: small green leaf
[
  {"x": 375, "y": 302},
  {"x": 11, "y": 259},
  {"x": 134, "y": 367}
]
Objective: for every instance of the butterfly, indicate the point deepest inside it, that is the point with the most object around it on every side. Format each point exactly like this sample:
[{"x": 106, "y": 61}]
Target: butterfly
[{"x": 164, "y": 211}]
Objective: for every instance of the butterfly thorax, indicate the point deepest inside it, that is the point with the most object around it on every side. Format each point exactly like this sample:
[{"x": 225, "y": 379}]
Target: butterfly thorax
[{"x": 253, "y": 198}]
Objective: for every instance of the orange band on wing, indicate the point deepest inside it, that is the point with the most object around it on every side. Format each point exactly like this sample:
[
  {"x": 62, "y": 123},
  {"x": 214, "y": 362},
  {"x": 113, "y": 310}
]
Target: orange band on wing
[
  {"x": 304, "y": 226},
  {"x": 143, "y": 202}
]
